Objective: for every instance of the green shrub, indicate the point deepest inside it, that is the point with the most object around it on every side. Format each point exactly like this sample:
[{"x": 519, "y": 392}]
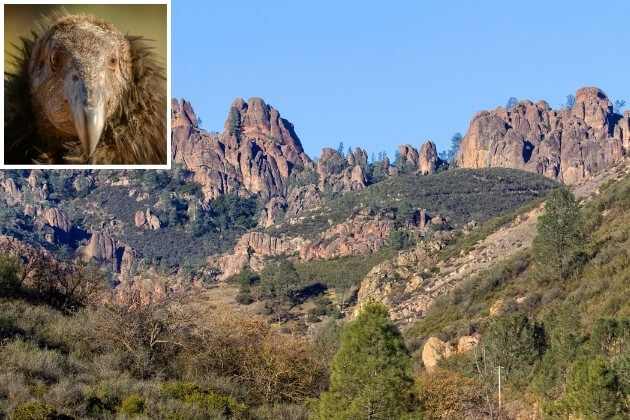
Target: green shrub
[
  {"x": 193, "y": 394},
  {"x": 35, "y": 410},
  {"x": 244, "y": 298},
  {"x": 9, "y": 269},
  {"x": 28, "y": 358},
  {"x": 132, "y": 405}
]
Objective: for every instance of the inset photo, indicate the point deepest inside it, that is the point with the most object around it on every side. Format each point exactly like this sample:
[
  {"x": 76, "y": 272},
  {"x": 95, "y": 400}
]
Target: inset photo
[{"x": 85, "y": 85}]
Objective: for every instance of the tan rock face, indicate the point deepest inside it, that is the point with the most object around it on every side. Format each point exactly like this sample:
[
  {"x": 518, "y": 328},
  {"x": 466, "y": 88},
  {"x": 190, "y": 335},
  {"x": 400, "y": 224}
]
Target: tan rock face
[
  {"x": 11, "y": 192},
  {"x": 273, "y": 211},
  {"x": 102, "y": 247},
  {"x": 251, "y": 249},
  {"x": 428, "y": 158},
  {"x": 434, "y": 349},
  {"x": 408, "y": 154},
  {"x": 55, "y": 218},
  {"x": 182, "y": 114},
  {"x": 152, "y": 220},
  {"x": 256, "y": 153},
  {"x": 140, "y": 219},
  {"x": 362, "y": 234},
  {"x": 567, "y": 145},
  {"x": 467, "y": 343}
]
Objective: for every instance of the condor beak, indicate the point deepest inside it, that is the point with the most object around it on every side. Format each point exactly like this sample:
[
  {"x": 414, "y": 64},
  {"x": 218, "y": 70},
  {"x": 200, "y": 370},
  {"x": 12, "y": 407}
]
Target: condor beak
[{"x": 88, "y": 114}]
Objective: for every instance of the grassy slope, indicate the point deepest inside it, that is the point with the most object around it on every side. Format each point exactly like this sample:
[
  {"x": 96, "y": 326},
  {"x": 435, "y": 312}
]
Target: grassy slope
[
  {"x": 598, "y": 288},
  {"x": 461, "y": 194}
]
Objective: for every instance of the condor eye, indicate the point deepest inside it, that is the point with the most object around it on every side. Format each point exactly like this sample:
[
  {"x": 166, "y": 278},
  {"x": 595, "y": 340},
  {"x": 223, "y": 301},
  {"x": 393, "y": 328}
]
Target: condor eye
[
  {"x": 55, "y": 59},
  {"x": 113, "y": 61}
]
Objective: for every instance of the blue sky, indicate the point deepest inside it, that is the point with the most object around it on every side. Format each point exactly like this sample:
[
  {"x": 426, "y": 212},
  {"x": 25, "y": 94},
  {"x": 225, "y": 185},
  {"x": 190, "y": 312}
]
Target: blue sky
[{"x": 379, "y": 74}]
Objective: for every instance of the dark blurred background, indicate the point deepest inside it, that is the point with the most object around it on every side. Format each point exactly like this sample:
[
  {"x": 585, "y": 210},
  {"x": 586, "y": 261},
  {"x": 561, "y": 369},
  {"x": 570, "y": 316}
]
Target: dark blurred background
[{"x": 147, "y": 20}]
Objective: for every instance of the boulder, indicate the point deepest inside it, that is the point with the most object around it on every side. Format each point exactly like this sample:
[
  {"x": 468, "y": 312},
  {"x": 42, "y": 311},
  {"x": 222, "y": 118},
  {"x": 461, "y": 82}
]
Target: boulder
[
  {"x": 140, "y": 218},
  {"x": 152, "y": 220},
  {"x": 434, "y": 349}
]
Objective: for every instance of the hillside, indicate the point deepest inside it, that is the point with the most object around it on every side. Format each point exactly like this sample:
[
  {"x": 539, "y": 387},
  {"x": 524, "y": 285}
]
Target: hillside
[{"x": 221, "y": 288}]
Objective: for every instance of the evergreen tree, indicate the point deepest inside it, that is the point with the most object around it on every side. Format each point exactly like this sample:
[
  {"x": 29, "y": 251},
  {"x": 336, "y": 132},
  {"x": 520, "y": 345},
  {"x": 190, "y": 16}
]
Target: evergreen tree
[
  {"x": 371, "y": 373},
  {"x": 9, "y": 270},
  {"x": 286, "y": 279},
  {"x": 342, "y": 286},
  {"x": 405, "y": 215},
  {"x": 560, "y": 231},
  {"x": 514, "y": 343},
  {"x": 564, "y": 340},
  {"x": 340, "y": 148},
  {"x": 592, "y": 389},
  {"x": 511, "y": 102},
  {"x": 456, "y": 142},
  {"x": 610, "y": 337},
  {"x": 234, "y": 122}
]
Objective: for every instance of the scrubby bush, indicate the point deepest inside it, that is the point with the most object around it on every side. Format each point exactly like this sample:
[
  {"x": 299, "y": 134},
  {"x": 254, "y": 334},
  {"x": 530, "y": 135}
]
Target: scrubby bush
[
  {"x": 132, "y": 405},
  {"x": 35, "y": 410},
  {"x": 193, "y": 394}
]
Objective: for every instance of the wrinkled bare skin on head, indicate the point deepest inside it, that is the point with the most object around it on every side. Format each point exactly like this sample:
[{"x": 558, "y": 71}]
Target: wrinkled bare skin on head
[{"x": 78, "y": 72}]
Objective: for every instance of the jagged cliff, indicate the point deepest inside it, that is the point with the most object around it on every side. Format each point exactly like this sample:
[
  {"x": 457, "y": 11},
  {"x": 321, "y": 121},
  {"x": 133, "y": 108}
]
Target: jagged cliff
[
  {"x": 566, "y": 145},
  {"x": 255, "y": 154}
]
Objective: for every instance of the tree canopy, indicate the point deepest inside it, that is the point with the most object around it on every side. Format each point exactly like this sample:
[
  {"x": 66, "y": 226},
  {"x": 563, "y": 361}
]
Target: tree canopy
[
  {"x": 560, "y": 232},
  {"x": 371, "y": 373}
]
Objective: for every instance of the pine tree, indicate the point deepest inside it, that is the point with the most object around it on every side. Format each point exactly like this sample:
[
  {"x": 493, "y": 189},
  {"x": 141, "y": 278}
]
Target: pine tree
[
  {"x": 342, "y": 286},
  {"x": 592, "y": 389},
  {"x": 234, "y": 122},
  {"x": 514, "y": 343},
  {"x": 560, "y": 231},
  {"x": 340, "y": 148},
  {"x": 371, "y": 374}
]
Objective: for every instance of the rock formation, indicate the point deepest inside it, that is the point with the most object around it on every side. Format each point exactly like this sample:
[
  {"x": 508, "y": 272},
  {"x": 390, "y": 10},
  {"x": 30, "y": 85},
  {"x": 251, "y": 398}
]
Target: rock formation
[
  {"x": 362, "y": 234},
  {"x": 273, "y": 211},
  {"x": 57, "y": 219},
  {"x": 408, "y": 155},
  {"x": 182, "y": 114},
  {"x": 11, "y": 193},
  {"x": 255, "y": 155},
  {"x": 428, "y": 160},
  {"x": 102, "y": 247},
  {"x": 140, "y": 219},
  {"x": 250, "y": 251},
  {"x": 566, "y": 145},
  {"x": 339, "y": 173},
  {"x": 435, "y": 349}
]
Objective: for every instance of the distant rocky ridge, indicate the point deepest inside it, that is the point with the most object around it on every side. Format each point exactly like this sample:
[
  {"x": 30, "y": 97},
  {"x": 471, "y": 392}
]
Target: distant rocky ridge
[
  {"x": 258, "y": 152},
  {"x": 255, "y": 155},
  {"x": 259, "y": 155},
  {"x": 566, "y": 145}
]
